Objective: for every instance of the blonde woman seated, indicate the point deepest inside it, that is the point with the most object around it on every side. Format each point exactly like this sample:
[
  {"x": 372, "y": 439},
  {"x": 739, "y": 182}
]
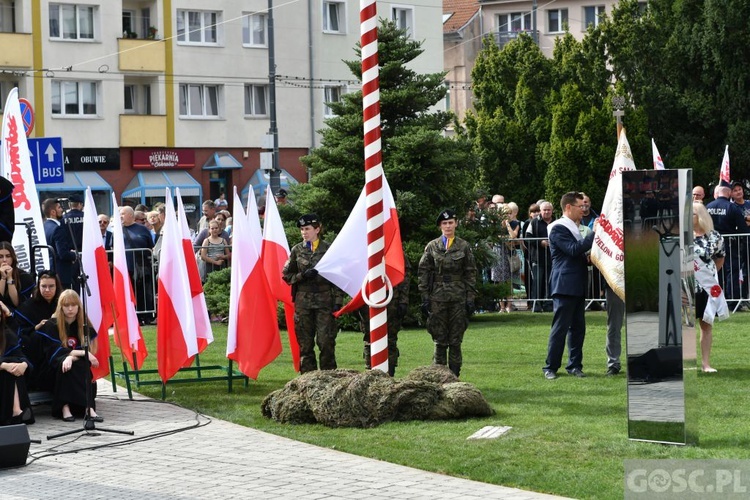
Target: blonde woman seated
[
  {"x": 709, "y": 297},
  {"x": 62, "y": 342}
]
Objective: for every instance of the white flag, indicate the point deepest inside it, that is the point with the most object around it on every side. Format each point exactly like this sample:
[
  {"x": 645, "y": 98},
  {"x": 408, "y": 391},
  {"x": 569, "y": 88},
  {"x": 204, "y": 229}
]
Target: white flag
[{"x": 658, "y": 163}]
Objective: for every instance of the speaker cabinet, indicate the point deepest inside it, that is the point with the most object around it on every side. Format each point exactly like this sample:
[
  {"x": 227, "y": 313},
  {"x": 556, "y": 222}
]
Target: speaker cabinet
[{"x": 14, "y": 445}]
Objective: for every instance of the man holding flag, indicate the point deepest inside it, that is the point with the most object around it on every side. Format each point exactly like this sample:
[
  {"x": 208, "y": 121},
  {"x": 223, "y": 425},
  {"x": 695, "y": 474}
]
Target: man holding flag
[{"x": 315, "y": 298}]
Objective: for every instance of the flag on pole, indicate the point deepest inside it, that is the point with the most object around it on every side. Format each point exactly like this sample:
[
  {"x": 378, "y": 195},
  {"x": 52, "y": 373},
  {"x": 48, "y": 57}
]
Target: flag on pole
[
  {"x": 345, "y": 262},
  {"x": 253, "y": 331},
  {"x": 658, "y": 163},
  {"x": 176, "y": 341},
  {"x": 724, "y": 176},
  {"x": 15, "y": 165},
  {"x": 203, "y": 330},
  {"x": 100, "y": 305},
  {"x": 128, "y": 335},
  {"x": 608, "y": 250},
  {"x": 275, "y": 253}
]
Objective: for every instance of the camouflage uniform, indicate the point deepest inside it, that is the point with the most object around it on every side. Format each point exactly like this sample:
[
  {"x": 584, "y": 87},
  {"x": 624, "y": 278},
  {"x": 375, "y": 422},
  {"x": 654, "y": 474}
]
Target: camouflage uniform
[
  {"x": 447, "y": 282},
  {"x": 396, "y": 312},
  {"x": 315, "y": 299}
]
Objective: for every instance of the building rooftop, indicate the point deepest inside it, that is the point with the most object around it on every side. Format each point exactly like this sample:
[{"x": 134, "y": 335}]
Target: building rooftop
[{"x": 458, "y": 13}]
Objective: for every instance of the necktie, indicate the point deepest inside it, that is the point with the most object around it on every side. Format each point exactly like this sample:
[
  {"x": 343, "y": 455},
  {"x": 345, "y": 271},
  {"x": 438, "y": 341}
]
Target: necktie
[{"x": 309, "y": 245}]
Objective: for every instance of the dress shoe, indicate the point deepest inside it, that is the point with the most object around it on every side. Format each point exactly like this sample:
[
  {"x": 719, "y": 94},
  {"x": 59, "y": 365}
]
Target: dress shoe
[
  {"x": 550, "y": 375},
  {"x": 69, "y": 419},
  {"x": 612, "y": 371},
  {"x": 27, "y": 417},
  {"x": 16, "y": 419},
  {"x": 577, "y": 372}
]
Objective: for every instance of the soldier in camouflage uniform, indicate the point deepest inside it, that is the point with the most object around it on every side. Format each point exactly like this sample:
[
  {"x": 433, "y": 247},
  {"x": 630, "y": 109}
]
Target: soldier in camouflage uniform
[
  {"x": 397, "y": 309},
  {"x": 315, "y": 298},
  {"x": 447, "y": 277}
]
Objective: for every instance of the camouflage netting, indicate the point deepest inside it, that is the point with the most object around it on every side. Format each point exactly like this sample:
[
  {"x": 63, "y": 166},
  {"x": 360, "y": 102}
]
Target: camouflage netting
[{"x": 347, "y": 398}]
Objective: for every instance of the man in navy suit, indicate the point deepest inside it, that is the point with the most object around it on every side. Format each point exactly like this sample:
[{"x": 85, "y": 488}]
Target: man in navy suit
[
  {"x": 58, "y": 237},
  {"x": 568, "y": 287}
]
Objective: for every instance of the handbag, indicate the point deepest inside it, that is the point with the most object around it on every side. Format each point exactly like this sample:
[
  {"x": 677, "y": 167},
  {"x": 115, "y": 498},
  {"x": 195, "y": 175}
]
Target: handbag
[{"x": 515, "y": 262}]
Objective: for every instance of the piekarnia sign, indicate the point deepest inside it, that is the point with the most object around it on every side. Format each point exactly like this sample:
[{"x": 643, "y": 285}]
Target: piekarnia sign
[{"x": 153, "y": 159}]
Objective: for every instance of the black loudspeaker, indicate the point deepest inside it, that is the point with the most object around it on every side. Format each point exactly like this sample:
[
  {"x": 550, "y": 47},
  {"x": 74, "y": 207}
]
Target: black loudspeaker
[
  {"x": 14, "y": 445},
  {"x": 656, "y": 364}
]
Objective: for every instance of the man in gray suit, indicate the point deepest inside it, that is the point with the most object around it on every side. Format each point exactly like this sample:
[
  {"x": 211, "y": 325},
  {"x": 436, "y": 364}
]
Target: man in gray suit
[{"x": 568, "y": 287}]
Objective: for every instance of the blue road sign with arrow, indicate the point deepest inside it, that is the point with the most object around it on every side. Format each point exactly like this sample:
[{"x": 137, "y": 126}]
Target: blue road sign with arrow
[{"x": 47, "y": 159}]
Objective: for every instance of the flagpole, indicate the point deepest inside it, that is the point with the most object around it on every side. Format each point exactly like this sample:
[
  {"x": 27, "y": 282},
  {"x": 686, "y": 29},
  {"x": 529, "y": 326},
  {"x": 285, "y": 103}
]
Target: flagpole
[{"x": 378, "y": 295}]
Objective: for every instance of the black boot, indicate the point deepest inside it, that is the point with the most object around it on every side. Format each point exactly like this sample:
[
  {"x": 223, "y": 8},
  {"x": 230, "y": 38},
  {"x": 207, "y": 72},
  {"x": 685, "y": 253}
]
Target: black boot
[
  {"x": 391, "y": 370},
  {"x": 455, "y": 369}
]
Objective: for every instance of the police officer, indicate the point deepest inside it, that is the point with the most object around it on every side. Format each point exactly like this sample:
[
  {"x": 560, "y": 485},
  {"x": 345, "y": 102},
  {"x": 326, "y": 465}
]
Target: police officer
[
  {"x": 74, "y": 218},
  {"x": 447, "y": 278},
  {"x": 728, "y": 220},
  {"x": 315, "y": 298}
]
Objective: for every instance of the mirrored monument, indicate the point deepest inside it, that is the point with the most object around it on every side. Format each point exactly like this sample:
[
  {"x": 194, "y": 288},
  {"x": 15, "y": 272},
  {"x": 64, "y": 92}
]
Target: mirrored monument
[{"x": 660, "y": 339}]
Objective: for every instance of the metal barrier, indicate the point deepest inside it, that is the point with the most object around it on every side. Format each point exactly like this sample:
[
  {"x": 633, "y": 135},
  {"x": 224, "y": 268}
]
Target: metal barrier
[{"x": 733, "y": 276}]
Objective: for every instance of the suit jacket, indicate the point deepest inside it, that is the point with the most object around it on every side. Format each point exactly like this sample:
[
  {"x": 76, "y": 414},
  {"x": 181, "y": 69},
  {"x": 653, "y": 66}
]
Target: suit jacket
[
  {"x": 569, "y": 274},
  {"x": 58, "y": 237},
  {"x": 108, "y": 240}
]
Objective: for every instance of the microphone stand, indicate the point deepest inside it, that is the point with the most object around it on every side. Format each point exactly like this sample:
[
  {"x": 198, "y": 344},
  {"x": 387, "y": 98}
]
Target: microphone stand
[{"x": 88, "y": 422}]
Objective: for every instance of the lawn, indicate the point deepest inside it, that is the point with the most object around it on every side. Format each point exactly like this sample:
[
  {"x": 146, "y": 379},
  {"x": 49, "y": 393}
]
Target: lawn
[{"x": 568, "y": 437}]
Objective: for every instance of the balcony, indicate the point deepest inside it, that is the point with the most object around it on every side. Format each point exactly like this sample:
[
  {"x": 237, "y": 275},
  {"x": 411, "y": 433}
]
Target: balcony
[
  {"x": 138, "y": 55},
  {"x": 138, "y": 131},
  {"x": 502, "y": 38},
  {"x": 15, "y": 50}
]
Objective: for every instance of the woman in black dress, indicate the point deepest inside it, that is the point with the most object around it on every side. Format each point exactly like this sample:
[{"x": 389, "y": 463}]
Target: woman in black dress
[
  {"x": 15, "y": 407},
  {"x": 62, "y": 341},
  {"x": 16, "y": 285}
]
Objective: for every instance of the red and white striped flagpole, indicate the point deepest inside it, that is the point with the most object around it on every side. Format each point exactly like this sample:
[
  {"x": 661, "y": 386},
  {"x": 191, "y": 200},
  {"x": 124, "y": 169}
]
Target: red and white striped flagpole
[{"x": 378, "y": 294}]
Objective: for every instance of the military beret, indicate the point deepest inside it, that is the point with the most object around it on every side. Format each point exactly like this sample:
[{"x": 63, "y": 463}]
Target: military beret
[
  {"x": 308, "y": 220},
  {"x": 281, "y": 193},
  {"x": 446, "y": 215},
  {"x": 76, "y": 198}
]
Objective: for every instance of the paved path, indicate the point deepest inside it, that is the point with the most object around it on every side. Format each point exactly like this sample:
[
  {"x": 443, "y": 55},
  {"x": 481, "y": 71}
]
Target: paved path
[{"x": 176, "y": 453}]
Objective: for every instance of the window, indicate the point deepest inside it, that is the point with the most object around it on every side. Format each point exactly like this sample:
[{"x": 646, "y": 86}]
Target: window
[
  {"x": 74, "y": 98},
  {"x": 137, "y": 99},
  {"x": 514, "y": 22},
  {"x": 5, "y": 88},
  {"x": 331, "y": 94},
  {"x": 334, "y": 20},
  {"x": 557, "y": 20},
  {"x": 71, "y": 22},
  {"x": 254, "y": 28},
  {"x": 256, "y": 100},
  {"x": 198, "y": 27},
  {"x": 404, "y": 19},
  {"x": 591, "y": 16},
  {"x": 199, "y": 101}
]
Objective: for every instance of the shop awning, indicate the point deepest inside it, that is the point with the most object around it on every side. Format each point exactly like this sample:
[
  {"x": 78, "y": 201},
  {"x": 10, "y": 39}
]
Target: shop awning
[
  {"x": 151, "y": 185},
  {"x": 261, "y": 179},
  {"x": 221, "y": 160},
  {"x": 77, "y": 181}
]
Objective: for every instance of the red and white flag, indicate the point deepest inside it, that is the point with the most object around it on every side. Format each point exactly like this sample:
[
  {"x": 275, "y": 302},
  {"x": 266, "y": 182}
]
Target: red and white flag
[
  {"x": 128, "y": 335},
  {"x": 345, "y": 263},
  {"x": 658, "y": 163},
  {"x": 724, "y": 176},
  {"x": 15, "y": 165},
  {"x": 275, "y": 253},
  {"x": 253, "y": 330},
  {"x": 100, "y": 305},
  {"x": 176, "y": 340},
  {"x": 608, "y": 250},
  {"x": 203, "y": 330}
]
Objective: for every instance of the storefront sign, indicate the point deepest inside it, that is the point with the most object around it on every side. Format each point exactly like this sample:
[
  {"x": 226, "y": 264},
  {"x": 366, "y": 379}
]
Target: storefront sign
[
  {"x": 152, "y": 159},
  {"x": 91, "y": 159}
]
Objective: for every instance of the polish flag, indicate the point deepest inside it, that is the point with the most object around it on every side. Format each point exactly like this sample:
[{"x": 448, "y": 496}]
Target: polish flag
[
  {"x": 658, "y": 163},
  {"x": 101, "y": 302},
  {"x": 176, "y": 339},
  {"x": 724, "y": 176},
  {"x": 275, "y": 253},
  {"x": 345, "y": 262},
  {"x": 203, "y": 329},
  {"x": 128, "y": 335},
  {"x": 253, "y": 331}
]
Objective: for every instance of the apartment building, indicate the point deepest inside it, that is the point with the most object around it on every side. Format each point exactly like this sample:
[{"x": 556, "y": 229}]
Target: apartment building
[
  {"x": 153, "y": 93},
  {"x": 503, "y": 21}
]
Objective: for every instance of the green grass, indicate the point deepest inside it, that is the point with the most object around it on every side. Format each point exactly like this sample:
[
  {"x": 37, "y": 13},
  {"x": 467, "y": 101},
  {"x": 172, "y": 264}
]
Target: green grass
[{"x": 569, "y": 436}]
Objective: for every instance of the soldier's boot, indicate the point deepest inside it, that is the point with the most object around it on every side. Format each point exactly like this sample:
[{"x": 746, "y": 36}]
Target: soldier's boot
[
  {"x": 456, "y": 369},
  {"x": 441, "y": 355},
  {"x": 391, "y": 370}
]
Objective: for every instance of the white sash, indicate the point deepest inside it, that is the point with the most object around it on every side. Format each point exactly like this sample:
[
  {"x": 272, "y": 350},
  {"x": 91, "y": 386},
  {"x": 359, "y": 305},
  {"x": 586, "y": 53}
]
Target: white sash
[{"x": 706, "y": 277}]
